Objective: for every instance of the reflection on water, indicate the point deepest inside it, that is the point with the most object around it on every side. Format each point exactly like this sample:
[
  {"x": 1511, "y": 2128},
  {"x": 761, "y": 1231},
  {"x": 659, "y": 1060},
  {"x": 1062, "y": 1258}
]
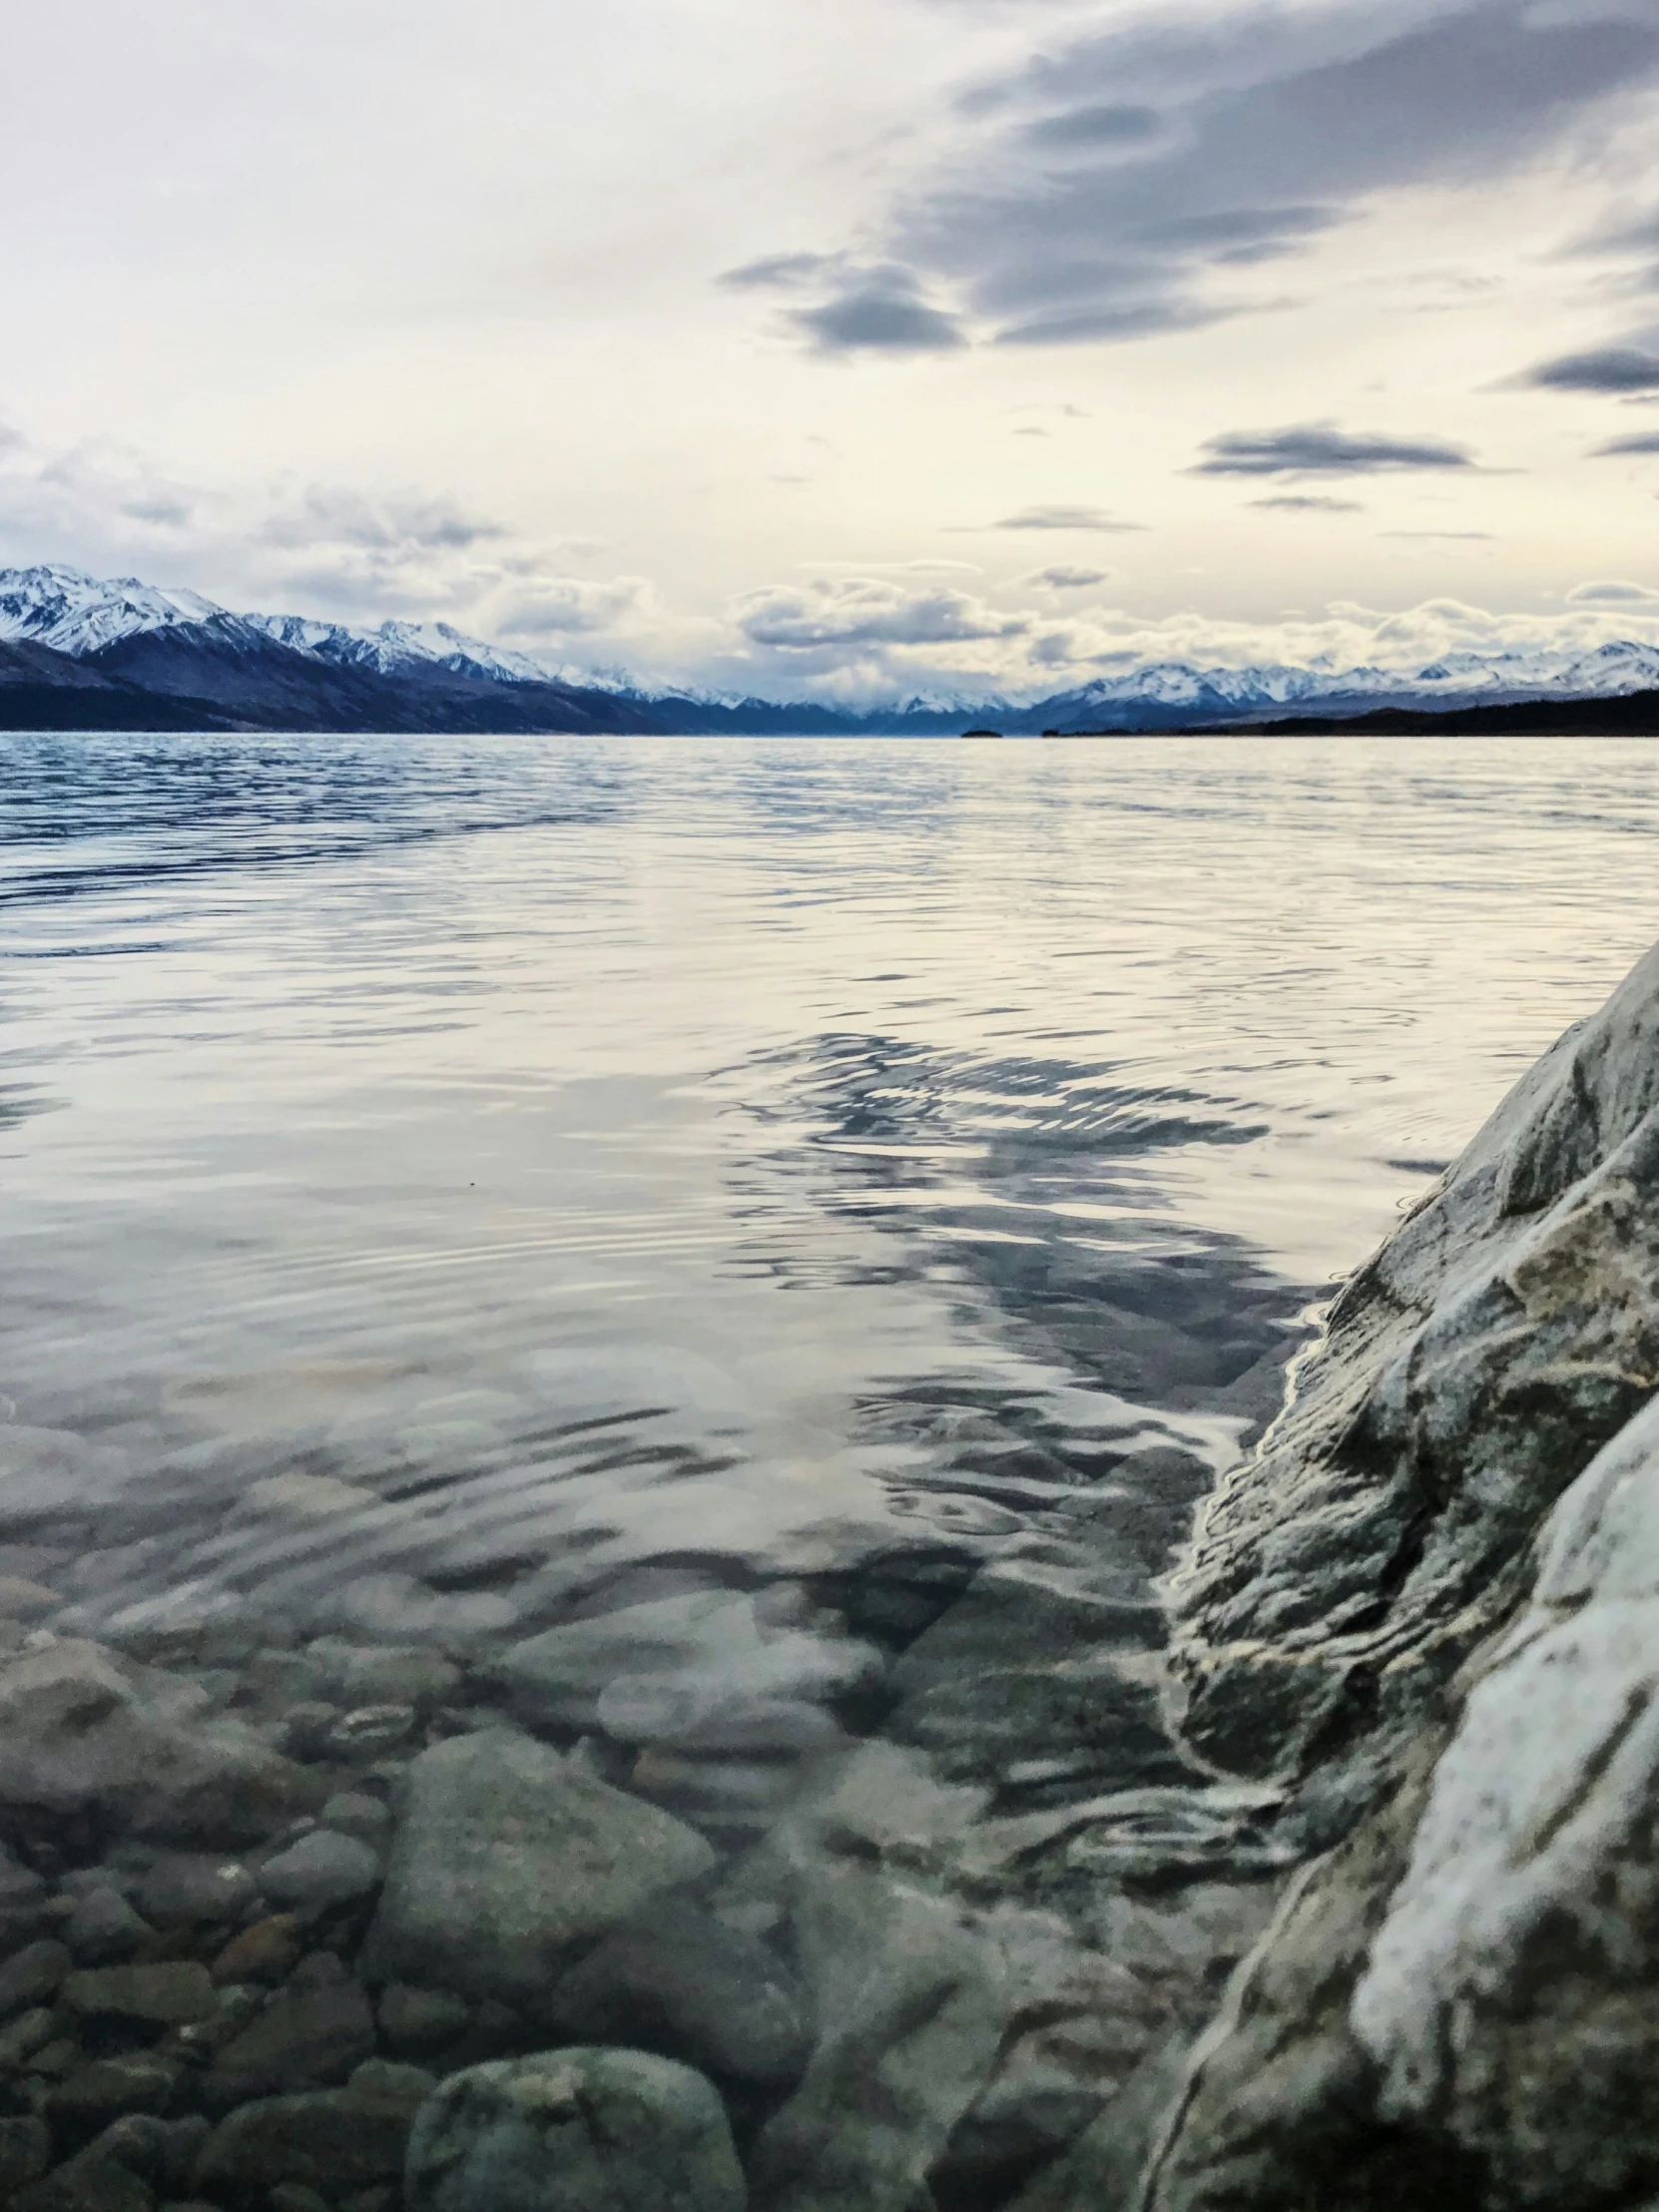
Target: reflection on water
[
  {"x": 733, "y": 1262},
  {"x": 768, "y": 1151}
]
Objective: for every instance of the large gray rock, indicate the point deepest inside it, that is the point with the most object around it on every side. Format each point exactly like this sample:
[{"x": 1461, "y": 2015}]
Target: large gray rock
[
  {"x": 1471, "y": 1370},
  {"x": 1455, "y": 2004},
  {"x": 1511, "y": 1996},
  {"x": 85, "y": 1736},
  {"x": 506, "y": 1855},
  {"x": 574, "y": 2132}
]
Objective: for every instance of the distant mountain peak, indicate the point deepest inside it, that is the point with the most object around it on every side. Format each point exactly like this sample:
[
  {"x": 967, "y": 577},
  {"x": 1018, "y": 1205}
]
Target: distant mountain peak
[{"x": 88, "y": 617}]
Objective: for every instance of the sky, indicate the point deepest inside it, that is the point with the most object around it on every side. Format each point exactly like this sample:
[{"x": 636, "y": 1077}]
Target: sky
[{"x": 896, "y": 347}]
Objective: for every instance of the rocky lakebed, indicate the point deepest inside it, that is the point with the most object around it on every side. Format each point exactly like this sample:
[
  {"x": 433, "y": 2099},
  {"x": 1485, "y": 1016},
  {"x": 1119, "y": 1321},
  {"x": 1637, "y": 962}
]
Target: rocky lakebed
[{"x": 1150, "y": 1840}]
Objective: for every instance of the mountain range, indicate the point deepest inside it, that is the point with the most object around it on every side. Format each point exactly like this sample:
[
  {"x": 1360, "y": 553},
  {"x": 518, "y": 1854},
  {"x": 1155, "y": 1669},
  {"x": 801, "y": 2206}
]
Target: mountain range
[{"x": 78, "y": 652}]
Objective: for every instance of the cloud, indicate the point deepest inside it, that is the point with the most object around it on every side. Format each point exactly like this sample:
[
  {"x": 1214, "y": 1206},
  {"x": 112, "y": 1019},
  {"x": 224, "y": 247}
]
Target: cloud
[
  {"x": 1062, "y": 517},
  {"x": 1113, "y": 186},
  {"x": 562, "y": 606},
  {"x": 1612, "y": 593},
  {"x": 1062, "y": 577},
  {"x": 330, "y": 549},
  {"x": 1091, "y": 128},
  {"x": 876, "y": 310},
  {"x": 878, "y": 321},
  {"x": 1606, "y": 368},
  {"x": 861, "y": 611},
  {"x": 328, "y": 515},
  {"x": 1319, "y": 450},
  {"x": 1308, "y": 503},
  {"x": 1645, "y": 441},
  {"x": 777, "y": 272}
]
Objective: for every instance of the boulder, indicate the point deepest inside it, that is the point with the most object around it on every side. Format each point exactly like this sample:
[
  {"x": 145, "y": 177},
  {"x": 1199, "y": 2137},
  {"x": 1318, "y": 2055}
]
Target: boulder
[
  {"x": 574, "y": 2132},
  {"x": 168, "y": 1994},
  {"x": 320, "y": 1870},
  {"x": 1388, "y": 1612},
  {"x": 103, "y": 1929},
  {"x": 105, "y": 2088},
  {"x": 183, "y": 1888},
  {"x": 683, "y": 1981},
  {"x": 1511, "y": 1993},
  {"x": 303, "y": 2039},
  {"x": 505, "y": 1857},
  {"x": 84, "y": 1738},
  {"x": 33, "y": 1975},
  {"x": 1469, "y": 1372},
  {"x": 25, "y": 2148},
  {"x": 353, "y": 1675},
  {"x": 418, "y": 2023},
  {"x": 267, "y": 1951},
  {"x": 354, "y": 1813},
  {"x": 333, "y": 2141}
]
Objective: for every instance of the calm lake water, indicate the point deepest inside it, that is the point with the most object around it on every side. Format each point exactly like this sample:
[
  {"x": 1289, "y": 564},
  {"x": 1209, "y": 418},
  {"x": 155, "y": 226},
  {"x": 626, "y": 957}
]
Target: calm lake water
[{"x": 601, "y": 1154}]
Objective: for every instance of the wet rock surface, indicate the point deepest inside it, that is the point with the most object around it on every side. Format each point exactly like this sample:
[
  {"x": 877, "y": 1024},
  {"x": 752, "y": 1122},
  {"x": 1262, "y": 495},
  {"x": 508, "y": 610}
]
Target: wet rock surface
[{"x": 1389, "y": 1614}]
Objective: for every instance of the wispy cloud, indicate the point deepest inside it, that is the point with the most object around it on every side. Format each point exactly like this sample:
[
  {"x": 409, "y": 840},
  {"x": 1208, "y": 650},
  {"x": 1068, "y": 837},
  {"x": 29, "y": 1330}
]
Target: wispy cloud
[
  {"x": 1308, "y": 503},
  {"x": 1059, "y": 516},
  {"x": 1320, "y": 449},
  {"x": 1612, "y": 592},
  {"x": 1065, "y": 577},
  {"x": 1605, "y": 368}
]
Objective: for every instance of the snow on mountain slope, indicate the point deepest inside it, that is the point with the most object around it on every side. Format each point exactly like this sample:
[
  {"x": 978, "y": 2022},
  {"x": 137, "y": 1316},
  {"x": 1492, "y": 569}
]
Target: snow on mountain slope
[
  {"x": 77, "y": 614},
  {"x": 402, "y": 649},
  {"x": 72, "y": 613}
]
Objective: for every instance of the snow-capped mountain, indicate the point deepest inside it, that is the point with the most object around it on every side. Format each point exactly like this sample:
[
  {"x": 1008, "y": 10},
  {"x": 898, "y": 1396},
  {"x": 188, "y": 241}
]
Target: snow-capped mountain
[
  {"x": 76, "y": 614},
  {"x": 402, "y": 649},
  {"x": 295, "y": 672},
  {"x": 197, "y": 661}
]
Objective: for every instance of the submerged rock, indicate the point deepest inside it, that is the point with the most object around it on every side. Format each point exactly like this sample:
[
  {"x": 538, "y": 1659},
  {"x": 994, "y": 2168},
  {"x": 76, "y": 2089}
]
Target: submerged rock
[
  {"x": 574, "y": 2132},
  {"x": 505, "y": 1855},
  {"x": 703, "y": 1672},
  {"x": 334, "y": 2140},
  {"x": 320, "y": 1870},
  {"x": 682, "y": 1981},
  {"x": 305, "y": 2036},
  {"x": 87, "y": 1739}
]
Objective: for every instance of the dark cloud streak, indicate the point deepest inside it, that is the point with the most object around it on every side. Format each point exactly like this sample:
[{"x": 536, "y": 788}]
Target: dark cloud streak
[
  {"x": 1132, "y": 170},
  {"x": 1606, "y": 368},
  {"x": 1319, "y": 450}
]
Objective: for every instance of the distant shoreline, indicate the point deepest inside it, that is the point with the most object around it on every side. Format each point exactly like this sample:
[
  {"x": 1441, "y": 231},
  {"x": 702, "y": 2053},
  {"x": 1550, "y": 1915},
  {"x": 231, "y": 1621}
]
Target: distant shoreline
[{"x": 1634, "y": 713}]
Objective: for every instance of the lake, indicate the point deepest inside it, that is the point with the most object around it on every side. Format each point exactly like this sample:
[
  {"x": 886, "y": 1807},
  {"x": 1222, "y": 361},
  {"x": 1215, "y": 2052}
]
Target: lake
[{"x": 610, "y": 1342}]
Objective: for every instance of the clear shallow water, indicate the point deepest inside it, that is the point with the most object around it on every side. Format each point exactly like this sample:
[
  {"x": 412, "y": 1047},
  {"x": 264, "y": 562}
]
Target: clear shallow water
[{"x": 607, "y": 1155}]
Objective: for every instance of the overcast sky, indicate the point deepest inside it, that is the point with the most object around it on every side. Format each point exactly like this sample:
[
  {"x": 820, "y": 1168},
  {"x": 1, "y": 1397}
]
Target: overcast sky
[{"x": 846, "y": 349}]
